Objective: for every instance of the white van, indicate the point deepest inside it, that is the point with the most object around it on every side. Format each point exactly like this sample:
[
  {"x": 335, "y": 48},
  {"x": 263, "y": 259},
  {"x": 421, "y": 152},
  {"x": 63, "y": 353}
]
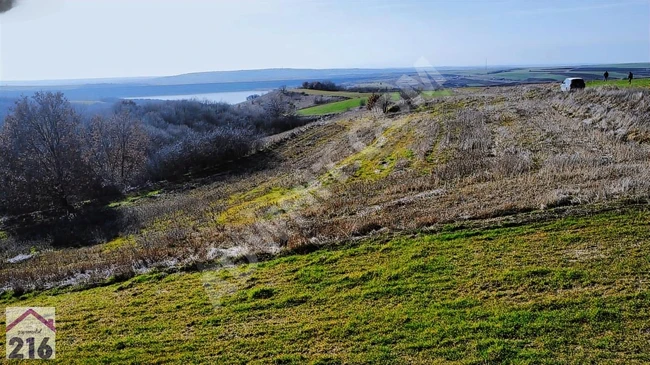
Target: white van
[{"x": 572, "y": 83}]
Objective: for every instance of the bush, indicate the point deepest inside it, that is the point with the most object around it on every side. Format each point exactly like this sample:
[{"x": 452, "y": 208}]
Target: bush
[
  {"x": 381, "y": 102},
  {"x": 320, "y": 100},
  {"x": 372, "y": 101},
  {"x": 262, "y": 293}
]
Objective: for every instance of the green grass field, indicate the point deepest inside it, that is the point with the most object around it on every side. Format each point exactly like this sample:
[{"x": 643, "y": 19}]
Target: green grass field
[
  {"x": 620, "y": 83},
  {"x": 566, "y": 291},
  {"x": 523, "y": 75},
  {"x": 331, "y": 108},
  {"x": 437, "y": 93},
  {"x": 345, "y": 105}
]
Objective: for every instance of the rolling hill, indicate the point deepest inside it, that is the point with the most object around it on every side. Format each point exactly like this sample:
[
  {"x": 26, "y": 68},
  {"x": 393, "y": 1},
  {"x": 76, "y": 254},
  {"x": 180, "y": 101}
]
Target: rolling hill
[
  {"x": 491, "y": 225},
  {"x": 230, "y": 81}
]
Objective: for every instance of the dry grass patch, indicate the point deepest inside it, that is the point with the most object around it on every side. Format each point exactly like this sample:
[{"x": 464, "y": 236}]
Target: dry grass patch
[{"x": 475, "y": 155}]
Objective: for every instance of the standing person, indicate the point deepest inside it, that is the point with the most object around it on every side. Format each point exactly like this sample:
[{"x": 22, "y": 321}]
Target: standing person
[
  {"x": 606, "y": 75},
  {"x": 630, "y": 77}
]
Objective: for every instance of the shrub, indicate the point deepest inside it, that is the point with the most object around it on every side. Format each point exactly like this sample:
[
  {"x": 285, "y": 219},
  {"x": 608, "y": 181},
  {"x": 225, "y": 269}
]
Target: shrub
[
  {"x": 372, "y": 101},
  {"x": 385, "y": 103},
  {"x": 262, "y": 293}
]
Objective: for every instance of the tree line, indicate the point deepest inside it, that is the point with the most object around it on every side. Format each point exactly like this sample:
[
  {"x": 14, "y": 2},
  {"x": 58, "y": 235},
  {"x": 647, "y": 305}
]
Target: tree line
[
  {"x": 52, "y": 157},
  {"x": 322, "y": 85}
]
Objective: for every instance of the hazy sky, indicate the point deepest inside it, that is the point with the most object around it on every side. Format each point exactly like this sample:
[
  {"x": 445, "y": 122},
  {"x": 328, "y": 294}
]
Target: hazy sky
[{"x": 64, "y": 39}]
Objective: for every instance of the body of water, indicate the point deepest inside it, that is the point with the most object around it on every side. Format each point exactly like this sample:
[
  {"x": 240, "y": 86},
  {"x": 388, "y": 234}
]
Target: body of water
[{"x": 233, "y": 97}]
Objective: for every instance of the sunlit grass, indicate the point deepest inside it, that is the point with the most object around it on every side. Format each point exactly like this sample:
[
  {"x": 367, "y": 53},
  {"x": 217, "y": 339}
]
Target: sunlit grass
[
  {"x": 567, "y": 291},
  {"x": 132, "y": 199},
  {"x": 332, "y": 108},
  {"x": 345, "y": 105},
  {"x": 620, "y": 83}
]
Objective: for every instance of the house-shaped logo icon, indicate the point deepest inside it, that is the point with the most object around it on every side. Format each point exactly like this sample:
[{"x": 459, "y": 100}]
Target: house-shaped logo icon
[
  {"x": 30, "y": 333},
  {"x": 49, "y": 323}
]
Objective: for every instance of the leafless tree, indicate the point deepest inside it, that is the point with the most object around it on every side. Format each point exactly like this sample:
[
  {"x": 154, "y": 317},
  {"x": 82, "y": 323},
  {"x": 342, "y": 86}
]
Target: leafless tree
[
  {"x": 41, "y": 153},
  {"x": 117, "y": 151},
  {"x": 277, "y": 107}
]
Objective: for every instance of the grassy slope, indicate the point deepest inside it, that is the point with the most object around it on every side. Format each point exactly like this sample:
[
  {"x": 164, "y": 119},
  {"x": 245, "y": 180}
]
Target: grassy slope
[
  {"x": 621, "y": 83},
  {"x": 436, "y": 93},
  {"x": 347, "y": 177},
  {"x": 355, "y": 101},
  {"x": 568, "y": 291},
  {"x": 336, "y": 107}
]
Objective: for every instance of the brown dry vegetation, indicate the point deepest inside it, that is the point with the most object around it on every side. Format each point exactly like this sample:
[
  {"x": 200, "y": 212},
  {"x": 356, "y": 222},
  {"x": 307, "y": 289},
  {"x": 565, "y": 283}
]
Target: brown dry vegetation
[
  {"x": 299, "y": 99},
  {"x": 479, "y": 154}
]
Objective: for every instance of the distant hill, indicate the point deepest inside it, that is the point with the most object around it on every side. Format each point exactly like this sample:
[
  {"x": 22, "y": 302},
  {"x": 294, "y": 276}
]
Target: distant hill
[
  {"x": 268, "y": 79},
  {"x": 272, "y": 75},
  {"x": 211, "y": 77},
  {"x": 195, "y": 83}
]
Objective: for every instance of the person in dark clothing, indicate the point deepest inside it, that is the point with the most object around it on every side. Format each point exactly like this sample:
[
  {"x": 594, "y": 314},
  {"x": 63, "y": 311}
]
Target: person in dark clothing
[
  {"x": 606, "y": 75},
  {"x": 630, "y": 77}
]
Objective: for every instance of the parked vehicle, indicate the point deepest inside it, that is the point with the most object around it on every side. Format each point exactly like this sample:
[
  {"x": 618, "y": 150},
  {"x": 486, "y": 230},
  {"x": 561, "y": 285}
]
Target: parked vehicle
[{"x": 572, "y": 83}]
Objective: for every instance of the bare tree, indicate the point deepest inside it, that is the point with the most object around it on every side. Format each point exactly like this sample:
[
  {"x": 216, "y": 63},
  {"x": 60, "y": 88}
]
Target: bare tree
[
  {"x": 118, "y": 149},
  {"x": 277, "y": 107},
  {"x": 41, "y": 153}
]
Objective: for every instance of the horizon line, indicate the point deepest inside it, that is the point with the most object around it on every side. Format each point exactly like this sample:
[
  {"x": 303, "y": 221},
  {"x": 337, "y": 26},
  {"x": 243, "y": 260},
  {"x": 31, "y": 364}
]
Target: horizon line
[{"x": 2, "y": 82}]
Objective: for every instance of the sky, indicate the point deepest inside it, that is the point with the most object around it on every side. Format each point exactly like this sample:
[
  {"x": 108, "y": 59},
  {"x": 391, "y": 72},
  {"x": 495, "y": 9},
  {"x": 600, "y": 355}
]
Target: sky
[{"x": 80, "y": 39}]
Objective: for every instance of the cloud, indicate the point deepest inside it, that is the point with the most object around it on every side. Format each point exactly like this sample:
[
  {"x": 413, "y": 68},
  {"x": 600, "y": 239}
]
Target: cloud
[{"x": 6, "y": 5}]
